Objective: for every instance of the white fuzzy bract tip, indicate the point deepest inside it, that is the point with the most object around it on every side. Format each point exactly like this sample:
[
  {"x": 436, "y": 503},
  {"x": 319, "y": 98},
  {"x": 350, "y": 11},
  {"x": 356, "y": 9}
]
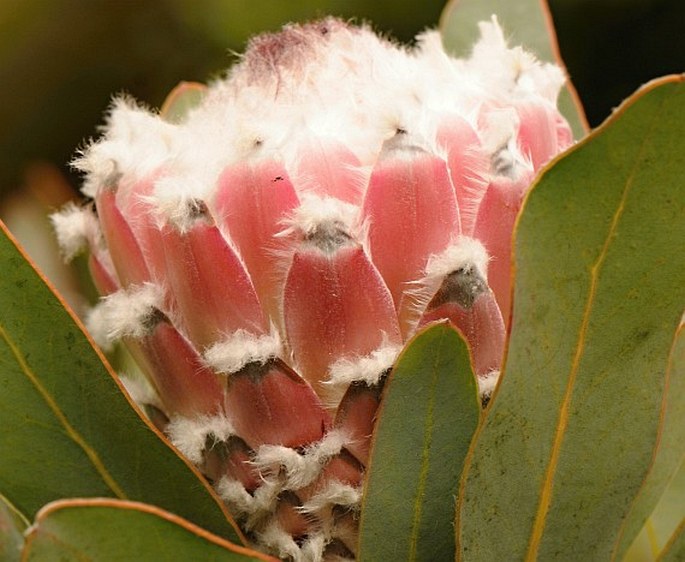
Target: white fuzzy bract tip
[
  {"x": 323, "y": 213},
  {"x": 76, "y": 228},
  {"x": 508, "y": 71},
  {"x": 367, "y": 369},
  {"x": 136, "y": 143},
  {"x": 299, "y": 469},
  {"x": 177, "y": 200},
  {"x": 465, "y": 252},
  {"x": 126, "y": 313},
  {"x": 240, "y": 348},
  {"x": 190, "y": 435},
  {"x": 335, "y": 493}
]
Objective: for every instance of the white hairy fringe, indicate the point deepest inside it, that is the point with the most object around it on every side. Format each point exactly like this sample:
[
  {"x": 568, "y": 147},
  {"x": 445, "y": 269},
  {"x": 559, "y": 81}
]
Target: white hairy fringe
[
  {"x": 299, "y": 469},
  {"x": 498, "y": 127},
  {"x": 444, "y": 86},
  {"x": 334, "y": 493},
  {"x": 463, "y": 252},
  {"x": 499, "y": 134},
  {"x": 326, "y": 72},
  {"x": 487, "y": 384},
  {"x": 135, "y": 145},
  {"x": 504, "y": 71},
  {"x": 253, "y": 506},
  {"x": 124, "y": 313},
  {"x": 282, "y": 543},
  {"x": 77, "y": 229},
  {"x": 265, "y": 107},
  {"x": 313, "y": 547},
  {"x": 189, "y": 435},
  {"x": 240, "y": 348},
  {"x": 315, "y": 212},
  {"x": 368, "y": 368},
  {"x": 174, "y": 197}
]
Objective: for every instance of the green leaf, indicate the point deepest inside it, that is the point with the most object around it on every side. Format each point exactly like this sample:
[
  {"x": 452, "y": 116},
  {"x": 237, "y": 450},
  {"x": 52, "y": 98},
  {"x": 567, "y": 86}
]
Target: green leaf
[
  {"x": 663, "y": 524},
  {"x": 675, "y": 549},
  {"x": 181, "y": 100},
  {"x": 113, "y": 530},
  {"x": 670, "y": 453},
  {"x": 12, "y": 526},
  {"x": 599, "y": 292},
  {"x": 428, "y": 414},
  {"x": 525, "y": 22},
  {"x": 68, "y": 429}
]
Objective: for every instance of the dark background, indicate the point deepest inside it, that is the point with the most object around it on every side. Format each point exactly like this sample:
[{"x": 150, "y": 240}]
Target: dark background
[{"x": 61, "y": 60}]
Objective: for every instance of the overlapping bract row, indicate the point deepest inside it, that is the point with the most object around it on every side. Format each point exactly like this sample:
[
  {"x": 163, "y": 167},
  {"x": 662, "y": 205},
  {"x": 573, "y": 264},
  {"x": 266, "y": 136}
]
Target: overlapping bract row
[{"x": 265, "y": 260}]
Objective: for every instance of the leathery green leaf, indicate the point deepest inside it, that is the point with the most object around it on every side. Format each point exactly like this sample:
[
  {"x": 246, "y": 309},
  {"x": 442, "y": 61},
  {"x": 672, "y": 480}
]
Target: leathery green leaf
[
  {"x": 525, "y": 22},
  {"x": 666, "y": 522},
  {"x": 112, "y": 530},
  {"x": 675, "y": 549},
  {"x": 181, "y": 100},
  {"x": 571, "y": 433},
  {"x": 428, "y": 414},
  {"x": 68, "y": 429},
  {"x": 669, "y": 457},
  {"x": 12, "y": 526}
]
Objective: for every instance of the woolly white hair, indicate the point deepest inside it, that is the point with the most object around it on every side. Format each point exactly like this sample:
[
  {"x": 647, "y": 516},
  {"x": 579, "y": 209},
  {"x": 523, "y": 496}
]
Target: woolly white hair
[
  {"x": 505, "y": 71},
  {"x": 77, "y": 228},
  {"x": 190, "y": 435},
  {"x": 324, "y": 79},
  {"x": 315, "y": 212},
  {"x": 368, "y": 368},
  {"x": 299, "y": 469},
  {"x": 240, "y": 348},
  {"x": 254, "y": 506},
  {"x": 334, "y": 493},
  {"x": 282, "y": 543},
  {"x": 463, "y": 252},
  {"x": 124, "y": 313},
  {"x": 175, "y": 198},
  {"x": 136, "y": 143}
]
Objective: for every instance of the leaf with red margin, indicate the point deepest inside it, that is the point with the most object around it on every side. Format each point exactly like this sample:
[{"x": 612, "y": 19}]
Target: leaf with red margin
[
  {"x": 571, "y": 433},
  {"x": 181, "y": 100},
  {"x": 113, "y": 530},
  {"x": 67, "y": 428},
  {"x": 428, "y": 414}
]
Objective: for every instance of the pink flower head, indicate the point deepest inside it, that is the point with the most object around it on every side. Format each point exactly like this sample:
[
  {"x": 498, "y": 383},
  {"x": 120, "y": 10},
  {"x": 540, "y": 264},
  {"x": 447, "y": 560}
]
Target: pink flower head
[{"x": 266, "y": 258}]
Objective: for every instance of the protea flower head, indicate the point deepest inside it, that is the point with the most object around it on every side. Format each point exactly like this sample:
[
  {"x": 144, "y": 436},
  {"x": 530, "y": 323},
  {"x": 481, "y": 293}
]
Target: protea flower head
[{"x": 266, "y": 258}]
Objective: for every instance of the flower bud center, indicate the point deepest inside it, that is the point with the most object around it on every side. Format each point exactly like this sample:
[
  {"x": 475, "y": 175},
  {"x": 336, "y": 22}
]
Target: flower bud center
[
  {"x": 328, "y": 237},
  {"x": 462, "y": 286}
]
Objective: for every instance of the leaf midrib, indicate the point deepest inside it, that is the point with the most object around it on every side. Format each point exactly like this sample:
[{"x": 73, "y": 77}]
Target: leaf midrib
[
  {"x": 548, "y": 481},
  {"x": 425, "y": 458}
]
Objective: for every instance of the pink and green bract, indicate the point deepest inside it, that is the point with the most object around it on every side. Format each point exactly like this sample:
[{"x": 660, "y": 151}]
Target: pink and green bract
[{"x": 266, "y": 258}]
